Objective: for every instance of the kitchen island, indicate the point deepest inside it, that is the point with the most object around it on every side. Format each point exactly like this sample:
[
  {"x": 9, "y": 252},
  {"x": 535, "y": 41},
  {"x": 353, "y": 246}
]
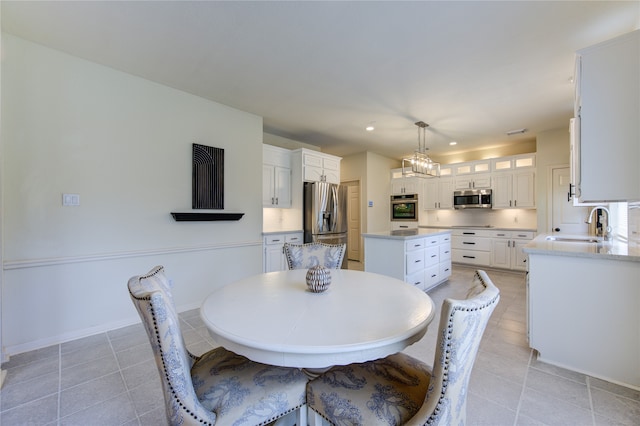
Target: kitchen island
[
  {"x": 584, "y": 306},
  {"x": 421, "y": 257}
]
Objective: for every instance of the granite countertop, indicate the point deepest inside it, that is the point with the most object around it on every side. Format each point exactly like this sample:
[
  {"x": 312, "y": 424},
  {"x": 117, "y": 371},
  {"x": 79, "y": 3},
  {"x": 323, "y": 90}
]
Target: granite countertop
[
  {"x": 614, "y": 249},
  {"x": 407, "y": 234}
]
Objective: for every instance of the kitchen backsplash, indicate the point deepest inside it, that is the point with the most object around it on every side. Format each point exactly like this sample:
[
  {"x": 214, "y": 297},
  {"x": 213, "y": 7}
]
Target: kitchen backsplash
[{"x": 499, "y": 218}]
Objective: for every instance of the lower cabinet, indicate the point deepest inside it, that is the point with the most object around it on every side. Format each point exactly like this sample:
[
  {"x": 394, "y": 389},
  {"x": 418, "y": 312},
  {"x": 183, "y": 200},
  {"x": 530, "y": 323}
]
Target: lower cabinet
[
  {"x": 472, "y": 247},
  {"x": 506, "y": 249},
  {"x": 273, "y": 258},
  {"x": 424, "y": 262},
  {"x": 494, "y": 248}
]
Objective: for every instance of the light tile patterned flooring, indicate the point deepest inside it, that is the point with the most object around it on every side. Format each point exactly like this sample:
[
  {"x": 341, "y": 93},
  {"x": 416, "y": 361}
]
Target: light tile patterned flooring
[{"x": 111, "y": 378}]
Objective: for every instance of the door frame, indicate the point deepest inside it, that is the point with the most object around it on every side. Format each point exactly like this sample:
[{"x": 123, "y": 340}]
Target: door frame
[
  {"x": 357, "y": 182},
  {"x": 549, "y": 218}
]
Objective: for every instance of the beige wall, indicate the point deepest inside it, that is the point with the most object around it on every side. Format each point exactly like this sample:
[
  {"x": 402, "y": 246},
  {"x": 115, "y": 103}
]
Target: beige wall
[
  {"x": 553, "y": 150},
  {"x": 522, "y": 147},
  {"x": 378, "y": 191}
]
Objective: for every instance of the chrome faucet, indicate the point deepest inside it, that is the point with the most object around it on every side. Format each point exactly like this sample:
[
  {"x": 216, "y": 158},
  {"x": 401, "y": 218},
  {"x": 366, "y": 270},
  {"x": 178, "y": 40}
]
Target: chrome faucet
[{"x": 605, "y": 231}]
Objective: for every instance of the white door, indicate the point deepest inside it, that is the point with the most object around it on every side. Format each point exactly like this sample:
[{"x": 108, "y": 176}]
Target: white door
[
  {"x": 353, "y": 221},
  {"x": 566, "y": 218}
]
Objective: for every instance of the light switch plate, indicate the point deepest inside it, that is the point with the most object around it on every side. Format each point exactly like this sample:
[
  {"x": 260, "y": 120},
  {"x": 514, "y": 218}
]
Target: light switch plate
[{"x": 70, "y": 199}]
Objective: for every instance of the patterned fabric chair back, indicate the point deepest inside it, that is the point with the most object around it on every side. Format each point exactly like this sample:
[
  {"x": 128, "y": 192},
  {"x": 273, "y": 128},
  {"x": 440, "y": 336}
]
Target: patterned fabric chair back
[
  {"x": 151, "y": 295},
  {"x": 462, "y": 324},
  {"x": 304, "y": 256}
]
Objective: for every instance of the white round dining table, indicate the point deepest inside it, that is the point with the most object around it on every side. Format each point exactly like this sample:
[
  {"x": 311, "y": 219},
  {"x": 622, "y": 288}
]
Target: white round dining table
[{"x": 274, "y": 319}]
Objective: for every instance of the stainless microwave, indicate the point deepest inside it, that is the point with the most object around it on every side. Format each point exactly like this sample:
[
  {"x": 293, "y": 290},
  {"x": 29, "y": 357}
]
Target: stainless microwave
[
  {"x": 404, "y": 208},
  {"x": 472, "y": 199}
]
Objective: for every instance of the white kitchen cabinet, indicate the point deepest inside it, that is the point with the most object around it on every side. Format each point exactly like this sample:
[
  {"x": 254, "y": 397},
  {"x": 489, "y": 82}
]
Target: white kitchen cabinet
[
  {"x": 424, "y": 261},
  {"x": 607, "y": 135},
  {"x": 471, "y": 246},
  {"x": 319, "y": 167},
  {"x": 474, "y": 181},
  {"x": 273, "y": 250},
  {"x": 438, "y": 194},
  {"x": 276, "y": 177},
  {"x": 406, "y": 185},
  {"x": 473, "y": 167},
  {"x": 506, "y": 249},
  {"x": 514, "y": 190},
  {"x": 513, "y": 163},
  {"x": 584, "y": 314}
]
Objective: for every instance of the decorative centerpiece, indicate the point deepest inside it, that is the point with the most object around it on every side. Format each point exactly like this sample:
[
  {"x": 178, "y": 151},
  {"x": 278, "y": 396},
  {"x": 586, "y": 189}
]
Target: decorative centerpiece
[{"x": 318, "y": 279}]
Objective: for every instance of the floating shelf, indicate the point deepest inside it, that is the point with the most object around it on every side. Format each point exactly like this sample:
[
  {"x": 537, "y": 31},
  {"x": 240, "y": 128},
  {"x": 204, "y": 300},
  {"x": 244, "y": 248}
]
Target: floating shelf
[{"x": 205, "y": 217}]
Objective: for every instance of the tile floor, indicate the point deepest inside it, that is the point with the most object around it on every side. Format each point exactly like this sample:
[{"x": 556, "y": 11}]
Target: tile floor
[{"x": 111, "y": 378}]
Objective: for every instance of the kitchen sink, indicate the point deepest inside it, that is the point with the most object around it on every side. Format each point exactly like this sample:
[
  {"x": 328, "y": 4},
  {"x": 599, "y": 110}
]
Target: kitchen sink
[{"x": 573, "y": 239}]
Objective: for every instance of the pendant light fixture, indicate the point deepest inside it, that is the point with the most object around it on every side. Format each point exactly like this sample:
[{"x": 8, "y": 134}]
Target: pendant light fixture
[{"x": 419, "y": 164}]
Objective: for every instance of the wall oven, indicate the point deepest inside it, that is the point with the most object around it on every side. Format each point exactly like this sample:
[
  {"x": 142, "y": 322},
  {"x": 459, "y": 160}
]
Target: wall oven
[
  {"x": 472, "y": 199},
  {"x": 404, "y": 208}
]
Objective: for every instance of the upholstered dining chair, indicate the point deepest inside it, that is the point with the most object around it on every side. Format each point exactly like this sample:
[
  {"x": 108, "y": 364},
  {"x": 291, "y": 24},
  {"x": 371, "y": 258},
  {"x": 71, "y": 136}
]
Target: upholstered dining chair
[
  {"x": 219, "y": 387},
  {"x": 401, "y": 390},
  {"x": 304, "y": 256}
]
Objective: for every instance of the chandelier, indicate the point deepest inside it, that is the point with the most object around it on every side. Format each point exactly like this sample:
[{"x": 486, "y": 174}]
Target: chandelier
[{"x": 419, "y": 164}]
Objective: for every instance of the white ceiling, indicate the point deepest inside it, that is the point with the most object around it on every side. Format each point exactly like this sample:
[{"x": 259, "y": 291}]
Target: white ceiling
[{"x": 319, "y": 72}]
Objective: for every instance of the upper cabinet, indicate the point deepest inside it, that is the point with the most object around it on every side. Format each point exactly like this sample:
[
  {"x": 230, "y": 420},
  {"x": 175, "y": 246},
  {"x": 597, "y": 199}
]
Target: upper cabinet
[
  {"x": 606, "y": 134},
  {"x": 514, "y": 182},
  {"x": 516, "y": 162},
  {"x": 319, "y": 167},
  {"x": 276, "y": 177},
  {"x": 514, "y": 190},
  {"x": 438, "y": 194},
  {"x": 404, "y": 185},
  {"x": 472, "y": 175}
]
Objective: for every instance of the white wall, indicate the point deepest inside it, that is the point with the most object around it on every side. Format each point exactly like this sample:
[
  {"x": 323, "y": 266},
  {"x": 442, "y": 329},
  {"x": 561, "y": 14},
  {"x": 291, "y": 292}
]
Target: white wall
[{"x": 123, "y": 144}]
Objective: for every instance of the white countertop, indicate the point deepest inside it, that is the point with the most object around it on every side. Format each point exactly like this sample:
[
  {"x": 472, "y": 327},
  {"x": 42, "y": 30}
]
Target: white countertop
[
  {"x": 490, "y": 228},
  {"x": 614, "y": 249},
  {"x": 407, "y": 234},
  {"x": 282, "y": 232}
]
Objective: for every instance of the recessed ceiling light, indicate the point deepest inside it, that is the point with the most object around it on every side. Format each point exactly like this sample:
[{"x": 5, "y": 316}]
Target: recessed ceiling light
[
  {"x": 452, "y": 143},
  {"x": 370, "y": 127}
]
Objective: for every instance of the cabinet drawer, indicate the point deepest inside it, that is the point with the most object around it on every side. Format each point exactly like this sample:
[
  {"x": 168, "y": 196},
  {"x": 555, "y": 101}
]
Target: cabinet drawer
[
  {"x": 414, "y": 244},
  {"x": 416, "y": 279},
  {"x": 471, "y": 257},
  {"x": 274, "y": 239},
  {"x": 522, "y": 235},
  {"x": 293, "y": 238},
  {"x": 432, "y": 240},
  {"x": 431, "y": 256},
  {"x": 415, "y": 261},
  {"x": 445, "y": 252},
  {"x": 445, "y": 270},
  {"x": 471, "y": 243},
  {"x": 431, "y": 276},
  {"x": 525, "y": 235}
]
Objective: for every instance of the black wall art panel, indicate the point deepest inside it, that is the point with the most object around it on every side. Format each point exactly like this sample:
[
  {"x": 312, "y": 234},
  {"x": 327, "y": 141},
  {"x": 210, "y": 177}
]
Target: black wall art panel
[{"x": 208, "y": 177}]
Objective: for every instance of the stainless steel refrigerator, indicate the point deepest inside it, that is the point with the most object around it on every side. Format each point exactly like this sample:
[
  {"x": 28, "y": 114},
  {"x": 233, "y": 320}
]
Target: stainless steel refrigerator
[{"x": 325, "y": 214}]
